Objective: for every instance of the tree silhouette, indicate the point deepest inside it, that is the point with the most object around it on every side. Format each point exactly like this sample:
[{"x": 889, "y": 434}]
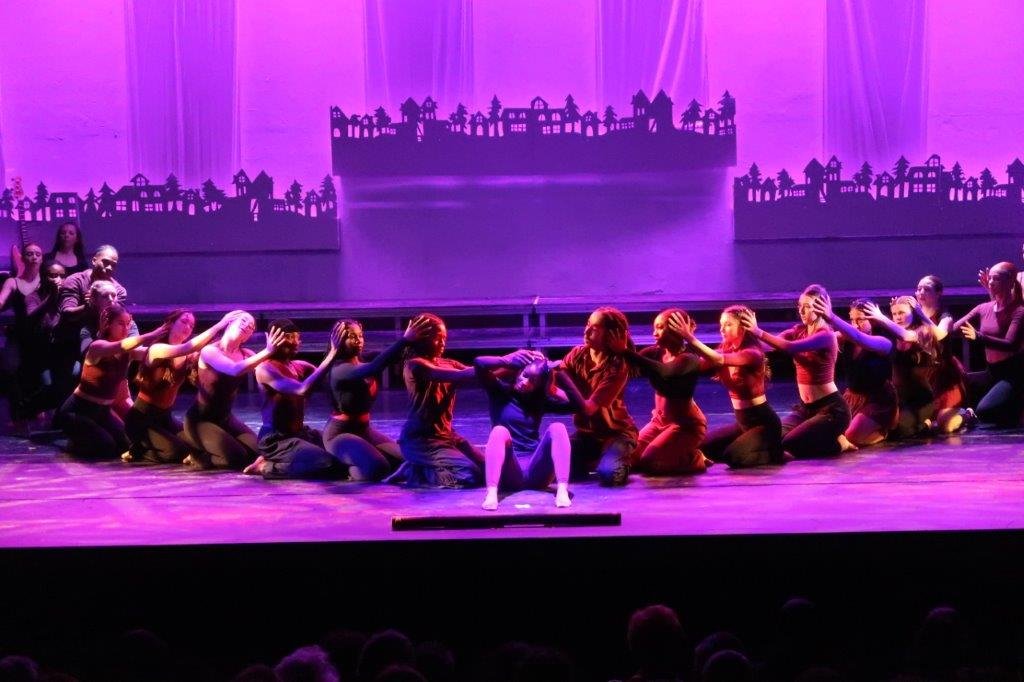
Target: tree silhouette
[
  {"x": 572, "y": 112},
  {"x": 293, "y": 197},
  {"x": 327, "y": 191},
  {"x": 863, "y": 177},
  {"x": 900, "y": 177},
  {"x": 610, "y": 119},
  {"x": 460, "y": 117},
  {"x": 786, "y": 183},
  {"x": 987, "y": 181},
  {"x": 956, "y": 176},
  {"x": 691, "y": 116},
  {"x": 106, "y": 200},
  {"x": 755, "y": 175},
  {"x": 212, "y": 195},
  {"x": 90, "y": 201},
  {"x": 494, "y": 114},
  {"x": 728, "y": 106},
  {"x": 381, "y": 118},
  {"x": 42, "y": 194}
]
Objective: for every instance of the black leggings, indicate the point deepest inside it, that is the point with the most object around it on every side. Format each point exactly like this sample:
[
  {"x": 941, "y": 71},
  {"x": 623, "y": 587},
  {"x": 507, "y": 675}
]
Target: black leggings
[
  {"x": 369, "y": 454},
  {"x": 813, "y": 429},
  {"x": 155, "y": 435},
  {"x": 754, "y": 440},
  {"x": 93, "y": 430},
  {"x": 225, "y": 441},
  {"x": 998, "y": 393}
]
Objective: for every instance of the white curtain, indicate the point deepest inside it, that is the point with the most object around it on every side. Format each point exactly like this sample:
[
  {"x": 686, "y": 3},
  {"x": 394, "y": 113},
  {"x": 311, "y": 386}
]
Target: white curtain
[
  {"x": 876, "y": 87},
  {"x": 182, "y": 89},
  {"x": 652, "y": 45},
  {"x": 418, "y": 49}
]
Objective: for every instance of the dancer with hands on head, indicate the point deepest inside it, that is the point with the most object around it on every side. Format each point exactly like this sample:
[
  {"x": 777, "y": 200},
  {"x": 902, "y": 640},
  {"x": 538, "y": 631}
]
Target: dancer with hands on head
[
  {"x": 517, "y": 456},
  {"x": 755, "y": 439},
  {"x": 155, "y": 435},
  {"x": 288, "y": 448},
  {"x": 669, "y": 444},
  {"x": 813, "y": 428},
  {"x": 222, "y": 439},
  {"x": 369, "y": 454},
  {"x": 869, "y": 392}
]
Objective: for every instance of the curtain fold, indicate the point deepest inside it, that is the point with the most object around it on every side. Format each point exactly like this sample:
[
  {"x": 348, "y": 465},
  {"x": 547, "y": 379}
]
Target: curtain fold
[
  {"x": 418, "y": 49},
  {"x": 182, "y": 87},
  {"x": 652, "y": 45},
  {"x": 876, "y": 87}
]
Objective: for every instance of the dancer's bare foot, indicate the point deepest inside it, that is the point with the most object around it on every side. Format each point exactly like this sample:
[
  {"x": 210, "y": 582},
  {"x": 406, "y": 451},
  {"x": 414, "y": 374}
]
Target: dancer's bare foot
[
  {"x": 562, "y": 498},
  {"x": 491, "y": 500},
  {"x": 256, "y": 468},
  {"x": 845, "y": 445}
]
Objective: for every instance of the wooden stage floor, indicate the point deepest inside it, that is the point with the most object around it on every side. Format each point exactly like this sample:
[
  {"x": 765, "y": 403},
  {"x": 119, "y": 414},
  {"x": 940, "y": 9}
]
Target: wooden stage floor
[{"x": 973, "y": 481}]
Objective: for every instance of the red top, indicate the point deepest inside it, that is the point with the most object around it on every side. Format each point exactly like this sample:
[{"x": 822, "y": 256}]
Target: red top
[
  {"x": 433, "y": 402},
  {"x": 743, "y": 373},
  {"x": 160, "y": 380},
  {"x": 814, "y": 367},
  {"x": 604, "y": 384},
  {"x": 101, "y": 379}
]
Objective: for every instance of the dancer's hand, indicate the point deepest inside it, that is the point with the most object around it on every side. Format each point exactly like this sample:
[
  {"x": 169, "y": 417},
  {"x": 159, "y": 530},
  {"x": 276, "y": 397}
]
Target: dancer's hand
[
  {"x": 822, "y": 306},
  {"x": 229, "y": 318},
  {"x": 275, "y": 337},
  {"x": 617, "y": 341},
  {"x": 872, "y": 310},
  {"x": 335, "y": 342},
  {"x": 678, "y": 325},
  {"x": 419, "y": 328},
  {"x": 555, "y": 365},
  {"x": 968, "y": 331},
  {"x": 983, "y": 278},
  {"x": 749, "y": 321},
  {"x": 519, "y": 359}
]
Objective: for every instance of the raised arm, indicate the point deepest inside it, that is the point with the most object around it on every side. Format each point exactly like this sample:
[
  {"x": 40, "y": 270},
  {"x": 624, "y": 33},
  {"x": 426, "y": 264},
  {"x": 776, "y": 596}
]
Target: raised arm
[
  {"x": 678, "y": 325},
  {"x": 567, "y": 388},
  {"x": 877, "y": 344},
  {"x": 163, "y": 351},
  {"x": 425, "y": 370},
  {"x": 215, "y": 358},
  {"x": 816, "y": 341},
  {"x": 269, "y": 375},
  {"x": 966, "y": 319},
  {"x": 415, "y": 330},
  {"x": 875, "y": 313},
  {"x": 101, "y": 348}
]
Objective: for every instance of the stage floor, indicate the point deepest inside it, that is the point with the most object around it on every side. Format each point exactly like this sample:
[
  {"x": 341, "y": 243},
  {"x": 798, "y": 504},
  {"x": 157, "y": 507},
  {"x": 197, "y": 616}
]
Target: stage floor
[{"x": 969, "y": 482}]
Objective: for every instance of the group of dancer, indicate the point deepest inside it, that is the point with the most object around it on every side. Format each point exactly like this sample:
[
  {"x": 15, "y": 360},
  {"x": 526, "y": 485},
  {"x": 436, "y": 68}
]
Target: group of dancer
[{"x": 903, "y": 380}]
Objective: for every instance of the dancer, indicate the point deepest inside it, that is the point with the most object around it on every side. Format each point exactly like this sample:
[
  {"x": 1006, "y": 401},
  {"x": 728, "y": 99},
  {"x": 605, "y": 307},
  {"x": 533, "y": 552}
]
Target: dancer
[
  {"x": 813, "y": 428},
  {"x": 369, "y": 454},
  {"x": 605, "y": 434},
  {"x": 517, "y": 456},
  {"x": 33, "y": 300},
  {"x": 755, "y": 439},
  {"x": 998, "y": 389},
  {"x": 68, "y": 249},
  {"x": 289, "y": 448},
  {"x": 914, "y": 359},
  {"x": 948, "y": 380},
  {"x": 435, "y": 455},
  {"x": 222, "y": 440},
  {"x": 869, "y": 389},
  {"x": 87, "y": 416},
  {"x": 154, "y": 433},
  {"x": 669, "y": 444}
]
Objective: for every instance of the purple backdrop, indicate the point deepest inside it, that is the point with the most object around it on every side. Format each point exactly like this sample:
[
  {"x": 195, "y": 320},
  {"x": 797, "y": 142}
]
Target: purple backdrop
[{"x": 98, "y": 91}]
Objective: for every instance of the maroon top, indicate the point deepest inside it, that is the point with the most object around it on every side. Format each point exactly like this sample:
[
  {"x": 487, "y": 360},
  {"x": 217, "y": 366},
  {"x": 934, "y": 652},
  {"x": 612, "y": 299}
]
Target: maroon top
[
  {"x": 160, "y": 380},
  {"x": 1000, "y": 331},
  {"x": 433, "y": 402},
  {"x": 216, "y": 391},
  {"x": 285, "y": 412},
  {"x": 814, "y": 367},
  {"x": 101, "y": 379},
  {"x": 743, "y": 373},
  {"x": 604, "y": 384}
]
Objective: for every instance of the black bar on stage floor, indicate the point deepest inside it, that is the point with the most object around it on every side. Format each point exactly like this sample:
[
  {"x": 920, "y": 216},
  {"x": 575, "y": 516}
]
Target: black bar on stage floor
[{"x": 505, "y": 521}]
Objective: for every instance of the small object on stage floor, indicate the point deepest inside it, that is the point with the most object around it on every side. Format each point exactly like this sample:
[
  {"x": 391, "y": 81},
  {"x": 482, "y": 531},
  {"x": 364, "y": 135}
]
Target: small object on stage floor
[{"x": 463, "y": 522}]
